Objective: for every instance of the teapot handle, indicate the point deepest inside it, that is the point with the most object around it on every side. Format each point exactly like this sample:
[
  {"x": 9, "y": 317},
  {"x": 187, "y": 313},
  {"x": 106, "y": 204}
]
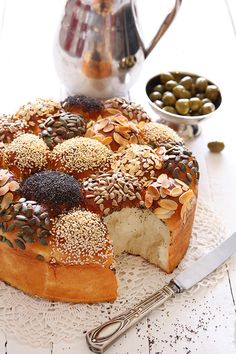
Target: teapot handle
[{"x": 164, "y": 26}]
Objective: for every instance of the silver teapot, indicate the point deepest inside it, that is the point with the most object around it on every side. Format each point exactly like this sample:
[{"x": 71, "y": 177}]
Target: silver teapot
[{"x": 98, "y": 49}]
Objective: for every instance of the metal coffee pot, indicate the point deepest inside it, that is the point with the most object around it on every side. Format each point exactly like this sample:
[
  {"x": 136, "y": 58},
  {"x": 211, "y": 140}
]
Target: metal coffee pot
[{"x": 98, "y": 48}]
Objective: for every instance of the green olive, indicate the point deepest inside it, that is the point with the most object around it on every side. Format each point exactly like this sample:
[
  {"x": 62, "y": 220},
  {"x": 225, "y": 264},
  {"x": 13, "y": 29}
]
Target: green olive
[
  {"x": 164, "y": 77},
  {"x": 205, "y": 100},
  {"x": 187, "y": 94},
  {"x": 200, "y": 95},
  {"x": 160, "y": 88},
  {"x": 216, "y": 146},
  {"x": 169, "y": 109},
  {"x": 168, "y": 98},
  {"x": 195, "y": 103},
  {"x": 182, "y": 106},
  {"x": 184, "y": 94},
  {"x": 212, "y": 92},
  {"x": 156, "y": 95},
  {"x": 180, "y": 92},
  {"x": 193, "y": 90},
  {"x": 169, "y": 85},
  {"x": 201, "y": 84},
  {"x": 207, "y": 108},
  {"x": 159, "y": 103},
  {"x": 187, "y": 82},
  {"x": 177, "y": 91}
]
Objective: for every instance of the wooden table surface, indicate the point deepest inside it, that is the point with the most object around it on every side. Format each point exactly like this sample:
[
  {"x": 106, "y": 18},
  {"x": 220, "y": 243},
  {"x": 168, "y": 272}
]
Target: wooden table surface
[{"x": 202, "y": 39}]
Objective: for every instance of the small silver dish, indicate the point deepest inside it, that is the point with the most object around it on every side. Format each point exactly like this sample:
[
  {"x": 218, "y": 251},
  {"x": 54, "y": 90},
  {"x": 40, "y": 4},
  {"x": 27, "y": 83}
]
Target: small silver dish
[{"x": 186, "y": 125}]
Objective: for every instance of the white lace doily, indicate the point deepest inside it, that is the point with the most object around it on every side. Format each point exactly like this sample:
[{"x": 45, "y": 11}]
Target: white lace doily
[{"x": 38, "y": 322}]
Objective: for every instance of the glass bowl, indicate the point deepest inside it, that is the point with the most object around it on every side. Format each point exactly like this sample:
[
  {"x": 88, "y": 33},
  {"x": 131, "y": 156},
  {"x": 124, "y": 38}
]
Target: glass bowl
[{"x": 185, "y": 125}]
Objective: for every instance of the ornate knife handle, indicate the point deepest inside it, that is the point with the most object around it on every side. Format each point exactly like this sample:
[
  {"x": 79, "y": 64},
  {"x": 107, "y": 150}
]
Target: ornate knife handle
[{"x": 102, "y": 337}]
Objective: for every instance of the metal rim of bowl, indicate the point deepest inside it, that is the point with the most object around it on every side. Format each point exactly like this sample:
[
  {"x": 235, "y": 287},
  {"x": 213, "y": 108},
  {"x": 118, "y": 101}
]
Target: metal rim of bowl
[{"x": 177, "y": 118}]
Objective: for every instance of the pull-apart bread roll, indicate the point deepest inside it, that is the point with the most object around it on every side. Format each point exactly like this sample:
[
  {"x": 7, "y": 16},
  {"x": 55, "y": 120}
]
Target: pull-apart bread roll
[{"x": 83, "y": 181}]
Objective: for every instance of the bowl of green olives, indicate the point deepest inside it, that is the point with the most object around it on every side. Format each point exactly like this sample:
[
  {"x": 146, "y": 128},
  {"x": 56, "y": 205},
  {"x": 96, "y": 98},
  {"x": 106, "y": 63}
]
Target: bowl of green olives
[{"x": 182, "y": 97}]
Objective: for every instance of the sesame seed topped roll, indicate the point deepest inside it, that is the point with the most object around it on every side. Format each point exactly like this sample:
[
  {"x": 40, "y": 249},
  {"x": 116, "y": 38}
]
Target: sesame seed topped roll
[
  {"x": 80, "y": 157},
  {"x": 80, "y": 237},
  {"x": 26, "y": 155},
  {"x": 156, "y": 134}
]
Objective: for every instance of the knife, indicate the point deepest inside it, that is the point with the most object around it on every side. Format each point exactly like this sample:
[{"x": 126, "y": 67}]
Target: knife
[{"x": 102, "y": 337}]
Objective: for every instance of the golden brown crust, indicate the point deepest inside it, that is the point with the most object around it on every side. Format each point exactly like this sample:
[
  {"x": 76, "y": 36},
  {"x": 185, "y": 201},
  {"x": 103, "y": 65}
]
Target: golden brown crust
[
  {"x": 180, "y": 238},
  {"x": 78, "y": 283}
]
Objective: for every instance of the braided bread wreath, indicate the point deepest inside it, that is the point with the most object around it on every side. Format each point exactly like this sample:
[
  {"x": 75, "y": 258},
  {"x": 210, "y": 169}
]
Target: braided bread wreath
[{"x": 83, "y": 180}]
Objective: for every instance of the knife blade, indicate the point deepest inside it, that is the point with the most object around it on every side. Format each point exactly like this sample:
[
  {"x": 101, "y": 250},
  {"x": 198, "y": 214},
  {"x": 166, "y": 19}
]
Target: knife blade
[{"x": 102, "y": 337}]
